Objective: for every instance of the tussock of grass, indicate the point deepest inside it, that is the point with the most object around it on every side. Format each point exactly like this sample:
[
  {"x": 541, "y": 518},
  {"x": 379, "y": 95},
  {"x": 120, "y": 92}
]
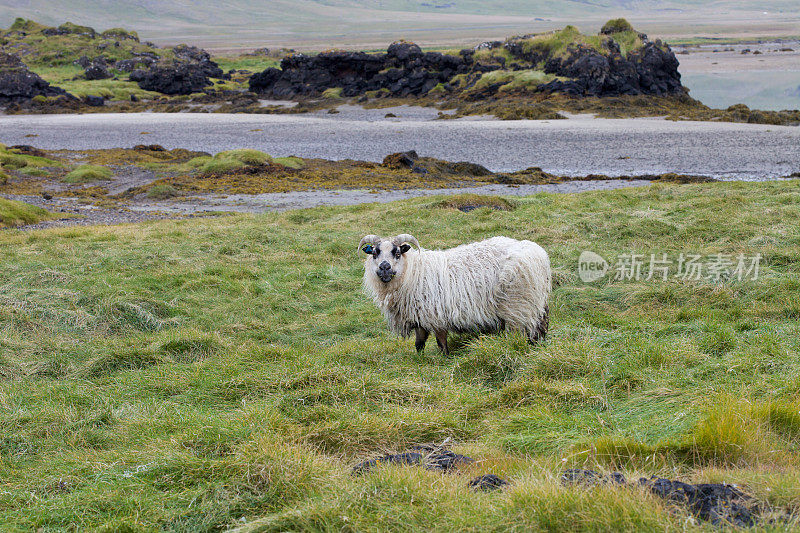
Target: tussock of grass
[
  {"x": 12, "y": 161},
  {"x": 162, "y": 192},
  {"x": 469, "y": 202},
  {"x": 231, "y": 161},
  {"x": 245, "y": 156},
  {"x": 14, "y": 213},
  {"x": 194, "y": 372},
  {"x": 189, "y": 349},
  {"x": 35, "y": 172},
  {"x": 291, "y": 162},
  {"x": 88, "y": 174},
  {"x": 221, "y": 166},
  {"x": 616, "y": 26},
  {"x": 114, "y": 362},
  {"x": 333, "y": 93}
]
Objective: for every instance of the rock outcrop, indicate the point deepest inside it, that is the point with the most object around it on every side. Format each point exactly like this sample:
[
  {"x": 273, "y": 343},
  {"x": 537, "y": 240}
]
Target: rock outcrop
[
  {"x": 582, "y": 69},
  {"x": 188, "y": 73},
  {"x": 653, "y": 70},
  {"x": 403, "y": 70},
  {"x": 97, "y": 70},
  {"x": 18, "y": 84}
]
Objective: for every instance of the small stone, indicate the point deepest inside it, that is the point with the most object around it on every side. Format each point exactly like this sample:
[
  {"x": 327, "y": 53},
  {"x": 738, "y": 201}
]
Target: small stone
[{"x": 487, "y": 483}]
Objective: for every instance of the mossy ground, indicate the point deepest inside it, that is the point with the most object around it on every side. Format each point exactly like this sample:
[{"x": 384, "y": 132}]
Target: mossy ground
[
  {"x": 89, "y": 176},
  {"x": 196, "y": 375}
]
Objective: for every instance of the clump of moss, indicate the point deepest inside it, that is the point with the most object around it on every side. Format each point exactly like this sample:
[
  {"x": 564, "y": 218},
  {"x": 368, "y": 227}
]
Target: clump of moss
[
  {"x": 34, "y": 172},
  {"x": 290, "y": 162},
  {"x": 76, "y": 29},
  {"x": 4, "y": 177},
  {"x": 88, "y": 173},
  {"x": 21, "y": 24},
  {"x": 13, "y": 213},
  {"x": 231, "y": 161},
  {"x": 11, "y": 161},
  {"x": 162, "y": 192},
  {"x": 120, "y": 33},
  {"x": 616, "y": 26},
  {"x": 246, "y": 156},
  {"x": 332, "y": 93},
  {"x": 221, "y": 166}
]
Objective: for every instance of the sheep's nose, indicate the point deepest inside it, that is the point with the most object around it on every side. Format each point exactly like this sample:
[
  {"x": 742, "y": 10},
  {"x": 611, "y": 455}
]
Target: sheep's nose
[{"x": 385, "y": 266}]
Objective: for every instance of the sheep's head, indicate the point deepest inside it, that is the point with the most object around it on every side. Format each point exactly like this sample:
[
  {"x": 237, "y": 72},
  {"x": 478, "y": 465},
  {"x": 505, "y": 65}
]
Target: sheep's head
[{"x": 387, "y": 256}]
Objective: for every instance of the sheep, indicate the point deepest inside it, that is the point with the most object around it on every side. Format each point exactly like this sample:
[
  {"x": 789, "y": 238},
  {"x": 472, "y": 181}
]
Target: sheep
[{"x": 484, "y": 287}]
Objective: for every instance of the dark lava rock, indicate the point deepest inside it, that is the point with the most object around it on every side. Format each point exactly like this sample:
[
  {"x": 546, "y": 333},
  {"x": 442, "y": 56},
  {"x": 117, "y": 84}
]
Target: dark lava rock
[
  {"x": 149, "y": 148},
  {"x": 145, "y": 60},
  {"x": 429, "y": 456},
  {"x": 183, "y": 78},
  {"x": 199, "y": 57},
  {"x": 403, "y": 70},
  {"x": 400, "y": 160},
  {"x": 83, "y": 62},
  {"x": 653, "y": 70},
  {"x": 488, "y": 483},
  {"x": 590, "y": 477},
  {"x": 188, "y": 73},
  {"x": 406, "y": 70},
  {"x": 94, "y": 101},
  {"x": 97, "y": 70},
  {"x": 719, "y": 503},
  {"x": 407, "y": 458},
  {"x": 404, "y": 51},
  {"x": 27, "y": 149},
  {"x": 17, "y": 83}
]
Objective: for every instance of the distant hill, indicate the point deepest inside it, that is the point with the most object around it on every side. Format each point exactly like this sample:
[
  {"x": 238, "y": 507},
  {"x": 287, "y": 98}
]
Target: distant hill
[{"x": 365, "y": 22}]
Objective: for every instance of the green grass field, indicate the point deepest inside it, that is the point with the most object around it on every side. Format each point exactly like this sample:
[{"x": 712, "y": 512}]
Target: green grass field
[{"x": 201, "y": 374}]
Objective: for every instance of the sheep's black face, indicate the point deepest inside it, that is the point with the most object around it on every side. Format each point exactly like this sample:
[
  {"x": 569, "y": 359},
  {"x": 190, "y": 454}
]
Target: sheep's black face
[{"x": 387, "y": 259}]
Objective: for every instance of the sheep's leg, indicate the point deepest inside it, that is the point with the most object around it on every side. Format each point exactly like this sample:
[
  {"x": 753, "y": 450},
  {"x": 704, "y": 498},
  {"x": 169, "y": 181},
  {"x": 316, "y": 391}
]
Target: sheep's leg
[
  {"x": 441, "y": 340},
  {"x": 537, "y": 334},
  {"x": 422, "y": 336}
]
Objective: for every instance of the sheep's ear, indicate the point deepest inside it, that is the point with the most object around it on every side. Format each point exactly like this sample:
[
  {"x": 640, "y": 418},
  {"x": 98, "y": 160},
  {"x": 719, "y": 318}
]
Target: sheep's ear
[
  {"x": 367, "y": 249},
  {"x": 404, "y": 248}
]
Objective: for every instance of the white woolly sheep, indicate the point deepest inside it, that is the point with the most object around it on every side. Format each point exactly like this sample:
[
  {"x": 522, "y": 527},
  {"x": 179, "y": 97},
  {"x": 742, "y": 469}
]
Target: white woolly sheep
[{"x": 485, "y": 287}]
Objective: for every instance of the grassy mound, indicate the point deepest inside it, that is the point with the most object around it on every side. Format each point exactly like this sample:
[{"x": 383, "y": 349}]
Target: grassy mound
[
  {"x": 290, "y": 162},
  {"x": 250, "y": 373},
  {"x": 162, "y": 192},
  {"x": 88, "y": 174},
  {"x": 44, "y": 46},
  {"x": 613, "y": 26},
  {"x": 231, "y": 161},
  {"x": 469, "y": 202},
  {"x": 13, "y": 213}
]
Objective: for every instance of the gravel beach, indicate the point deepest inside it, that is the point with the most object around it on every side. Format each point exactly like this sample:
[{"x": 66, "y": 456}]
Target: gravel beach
[{"x": 575, "y": 147}]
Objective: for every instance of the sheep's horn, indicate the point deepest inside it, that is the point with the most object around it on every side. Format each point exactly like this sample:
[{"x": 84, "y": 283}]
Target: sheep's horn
[
  {"x": 369, "y": 239},
  {"x": 405, "y": 238}
]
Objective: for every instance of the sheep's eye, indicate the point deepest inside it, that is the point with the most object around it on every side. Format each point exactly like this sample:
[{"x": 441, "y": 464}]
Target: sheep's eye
[{"x": 397, "y": 255}]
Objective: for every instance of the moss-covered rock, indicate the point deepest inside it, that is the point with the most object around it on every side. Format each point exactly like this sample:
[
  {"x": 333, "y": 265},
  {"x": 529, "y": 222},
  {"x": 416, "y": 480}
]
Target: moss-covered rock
[{"x": 616, "y": 26}]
